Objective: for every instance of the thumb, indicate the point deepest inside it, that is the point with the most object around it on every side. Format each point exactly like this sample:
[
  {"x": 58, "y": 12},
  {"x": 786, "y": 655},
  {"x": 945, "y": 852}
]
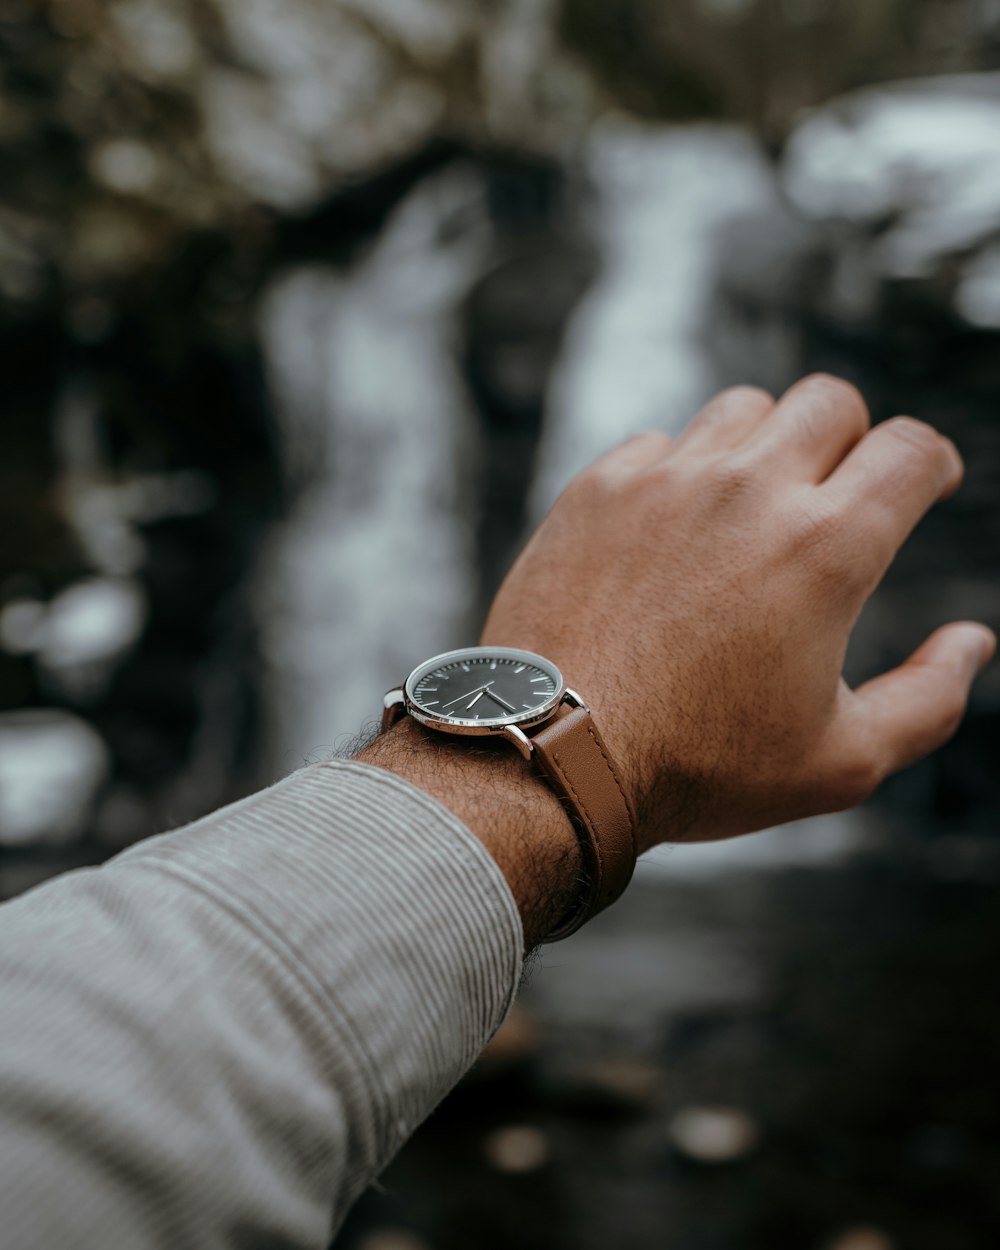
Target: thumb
[{"x": 915, "y": 708}]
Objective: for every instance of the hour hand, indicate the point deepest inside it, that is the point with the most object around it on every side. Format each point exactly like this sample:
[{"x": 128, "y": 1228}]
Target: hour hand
[{"x": 503, "y": 702}]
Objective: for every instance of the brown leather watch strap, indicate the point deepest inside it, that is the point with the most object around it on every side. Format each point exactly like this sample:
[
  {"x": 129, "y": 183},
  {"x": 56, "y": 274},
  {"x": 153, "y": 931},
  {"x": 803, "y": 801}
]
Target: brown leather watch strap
[{"x": 573, "y": 756}]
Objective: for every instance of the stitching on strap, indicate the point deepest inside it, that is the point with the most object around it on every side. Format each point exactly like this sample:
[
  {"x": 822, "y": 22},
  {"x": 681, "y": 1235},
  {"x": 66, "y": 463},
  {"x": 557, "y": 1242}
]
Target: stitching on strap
[
  {"x": 591, "y": 837},
  {"x": 611, "y": 770}
]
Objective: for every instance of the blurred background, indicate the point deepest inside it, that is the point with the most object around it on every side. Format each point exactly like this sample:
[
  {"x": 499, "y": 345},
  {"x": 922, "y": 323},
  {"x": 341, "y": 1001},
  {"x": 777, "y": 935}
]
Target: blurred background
[{"x": 308, "y": 309}]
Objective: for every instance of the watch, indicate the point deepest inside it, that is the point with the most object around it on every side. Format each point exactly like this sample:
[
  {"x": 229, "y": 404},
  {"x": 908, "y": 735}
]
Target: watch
[{"x": 520, "y": 696}]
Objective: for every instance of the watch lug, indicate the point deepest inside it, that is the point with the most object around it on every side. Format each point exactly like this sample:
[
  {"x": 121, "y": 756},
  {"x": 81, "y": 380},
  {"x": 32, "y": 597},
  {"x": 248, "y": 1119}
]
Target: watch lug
[
  {"x": 571, "y": 697},
  {"x": 393, "y": 708},
  {"x": 520, "y": 739}
]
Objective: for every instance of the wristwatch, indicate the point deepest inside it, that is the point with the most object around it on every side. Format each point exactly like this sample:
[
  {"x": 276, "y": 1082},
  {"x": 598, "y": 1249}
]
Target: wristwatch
[{"x": 520, "y": 696}]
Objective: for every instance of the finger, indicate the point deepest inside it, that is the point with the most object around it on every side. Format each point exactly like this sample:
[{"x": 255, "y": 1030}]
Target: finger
[
  {"x": 727, "y": 421},
  {"x": 813, "y": 427},
  {"x": 636, "y": 452},
  {"x": 905, "y": 714},
  {"x": 888, "y": 482}
]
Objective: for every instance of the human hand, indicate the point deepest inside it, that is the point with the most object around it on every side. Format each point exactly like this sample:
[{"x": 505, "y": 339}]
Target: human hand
[{"x": 700, "y": 595}]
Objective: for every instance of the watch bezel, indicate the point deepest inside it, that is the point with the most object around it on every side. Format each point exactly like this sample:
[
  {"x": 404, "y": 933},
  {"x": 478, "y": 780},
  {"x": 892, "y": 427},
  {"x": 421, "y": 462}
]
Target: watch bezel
[{"x": 495, "y": 725}]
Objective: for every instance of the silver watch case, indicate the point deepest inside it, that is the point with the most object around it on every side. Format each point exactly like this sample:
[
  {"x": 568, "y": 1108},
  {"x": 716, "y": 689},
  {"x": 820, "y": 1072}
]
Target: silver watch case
[{"x": 399, "y": 701}]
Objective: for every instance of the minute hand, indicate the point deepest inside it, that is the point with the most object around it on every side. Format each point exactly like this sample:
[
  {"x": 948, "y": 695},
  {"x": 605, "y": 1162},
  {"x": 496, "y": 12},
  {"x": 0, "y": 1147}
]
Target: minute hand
[{"x": 468, "y": 694}]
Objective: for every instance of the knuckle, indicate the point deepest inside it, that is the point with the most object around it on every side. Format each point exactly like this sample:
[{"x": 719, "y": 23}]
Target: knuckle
[
  {"x": 734, "y": 478},
  {"x": 819, "y": 539},
  {"x": 816, "y": 526},
  {"x": 651, "y": 446},
  {"x": 745, "y": 396},
  {"x": 837, "y": 392},
  {"x": 594, "y": 486},
  {"x": 823, "y": 403}
]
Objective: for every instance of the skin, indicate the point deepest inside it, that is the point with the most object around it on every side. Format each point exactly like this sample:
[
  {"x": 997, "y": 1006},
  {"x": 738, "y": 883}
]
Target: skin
[{"x": 700, "y": 593}]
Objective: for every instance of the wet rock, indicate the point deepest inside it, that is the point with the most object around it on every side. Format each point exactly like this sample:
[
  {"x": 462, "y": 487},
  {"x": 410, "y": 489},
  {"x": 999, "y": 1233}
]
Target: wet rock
[
  {"x": 939, "y": 1148},
  {"x": 516, "y": 1041},
  {"x": 634, "y": 1083},
  {"x": 861, "y": 1238},
  {"x": 52, "y": 765},
  {"x": 89, "y": 629},
  {"x": 392, "y": 1239},
  {"x": 158, "y": 36},
  {"x": 713, "y": 1135},
  {"x": 603, "y": 1089},
  {"x": 517, "y": 1148},
  {"x": 22, "y": 625}
]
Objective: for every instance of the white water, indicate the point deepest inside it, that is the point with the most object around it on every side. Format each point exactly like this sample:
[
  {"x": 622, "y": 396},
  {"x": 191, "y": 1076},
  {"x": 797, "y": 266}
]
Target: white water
[
  {"x": 372, "y": 571},
  {"x": 638, "y": 353}
]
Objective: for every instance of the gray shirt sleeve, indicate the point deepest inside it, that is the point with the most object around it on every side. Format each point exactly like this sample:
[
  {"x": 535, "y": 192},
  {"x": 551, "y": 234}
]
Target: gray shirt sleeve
[{"x": 220, "y": 1037}]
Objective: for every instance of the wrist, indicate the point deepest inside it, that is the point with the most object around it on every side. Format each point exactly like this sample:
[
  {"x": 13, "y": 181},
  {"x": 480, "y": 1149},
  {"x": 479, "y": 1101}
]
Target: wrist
[{"x": 515, "y": 814}]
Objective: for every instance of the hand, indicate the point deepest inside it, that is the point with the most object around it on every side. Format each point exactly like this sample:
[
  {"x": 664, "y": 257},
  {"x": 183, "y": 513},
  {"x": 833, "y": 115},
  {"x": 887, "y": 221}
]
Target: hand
[{"x": 700, "y": 595}]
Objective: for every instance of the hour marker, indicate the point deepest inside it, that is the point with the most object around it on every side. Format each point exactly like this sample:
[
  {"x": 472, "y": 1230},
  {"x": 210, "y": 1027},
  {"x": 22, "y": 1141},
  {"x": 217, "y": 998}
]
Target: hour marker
[
  {"x": 493, "y": 663},
  {"x": 433, "y": 703},
  {"x": 428, "y": 690},
  {"x": 542, "y": 694},
  {"x": 520, "y": 668},
  {"x": 466, "y": 669},
  {"x": 527, "y": 705},
  {"x": 533, "y": 680}
]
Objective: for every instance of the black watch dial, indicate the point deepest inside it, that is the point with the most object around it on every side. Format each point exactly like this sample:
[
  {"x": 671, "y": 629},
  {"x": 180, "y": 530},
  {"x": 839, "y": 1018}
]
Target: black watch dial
[{"x": 480, "y": 686}]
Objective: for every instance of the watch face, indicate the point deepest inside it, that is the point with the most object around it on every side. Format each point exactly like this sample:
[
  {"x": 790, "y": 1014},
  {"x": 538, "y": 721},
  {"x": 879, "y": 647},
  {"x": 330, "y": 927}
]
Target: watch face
[{"x": 484, "y": 687}]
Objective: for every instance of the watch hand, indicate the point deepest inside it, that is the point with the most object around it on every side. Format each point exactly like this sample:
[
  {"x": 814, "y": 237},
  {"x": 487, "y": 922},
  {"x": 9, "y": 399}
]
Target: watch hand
[
  {"x": 466, "y": 695},
  {"x": 496, "y": 699},
  {"x": 471, "y": 705}
]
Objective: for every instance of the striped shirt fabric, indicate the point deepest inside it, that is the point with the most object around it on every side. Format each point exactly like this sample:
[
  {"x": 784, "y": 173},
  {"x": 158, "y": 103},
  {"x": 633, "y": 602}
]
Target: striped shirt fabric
[{"x": 220, "y": 1037}]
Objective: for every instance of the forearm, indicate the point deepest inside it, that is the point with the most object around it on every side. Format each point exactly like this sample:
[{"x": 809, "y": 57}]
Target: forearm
[{"x": 513, "y": 812}]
